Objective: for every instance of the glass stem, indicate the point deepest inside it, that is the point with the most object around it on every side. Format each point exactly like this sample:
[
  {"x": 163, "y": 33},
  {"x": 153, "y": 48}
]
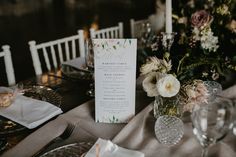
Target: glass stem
[{"x": 204, "y": 151}]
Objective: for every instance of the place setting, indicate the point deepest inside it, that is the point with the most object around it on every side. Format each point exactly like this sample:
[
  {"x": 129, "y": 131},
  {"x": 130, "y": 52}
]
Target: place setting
[{"x": 23, "y": 108}]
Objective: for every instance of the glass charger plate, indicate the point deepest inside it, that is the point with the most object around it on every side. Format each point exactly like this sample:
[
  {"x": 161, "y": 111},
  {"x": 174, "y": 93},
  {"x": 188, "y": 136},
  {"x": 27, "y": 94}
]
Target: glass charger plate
[
  {"x": 75, "y": 150},
  {"x": 37, "y": 92},
  {"x": 76, "y": 74}
]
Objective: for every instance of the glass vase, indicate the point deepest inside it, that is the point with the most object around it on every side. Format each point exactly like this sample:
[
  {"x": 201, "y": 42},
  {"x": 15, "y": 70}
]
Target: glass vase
[{"x": 167, "y": 106}]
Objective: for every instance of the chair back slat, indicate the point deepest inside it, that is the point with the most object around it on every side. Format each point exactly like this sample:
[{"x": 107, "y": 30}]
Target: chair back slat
[
  {"x": 67, "y": 51},
  {"x": 60, "y": 52},
  {"x": 45, "y": 54},
  {"x": 120, "y": 25},
  {"x": 116, "y": 33},
  {"x": 73, "y": 49},
  {"x": 111, "y": 32},
  {"x": 81, "y": 43},
  {"x": 136, "y": 27},
  {"x": 6, "y": 54},
  {"x": 64, "y": 49},
  {"x": 53, "y": 56},
  {"x": 92, "y": 33},
  {"x": 35, "y": 58}
]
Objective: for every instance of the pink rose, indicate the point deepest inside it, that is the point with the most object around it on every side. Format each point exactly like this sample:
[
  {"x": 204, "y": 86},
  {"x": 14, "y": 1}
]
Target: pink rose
[{"x": 201, "y": 19}]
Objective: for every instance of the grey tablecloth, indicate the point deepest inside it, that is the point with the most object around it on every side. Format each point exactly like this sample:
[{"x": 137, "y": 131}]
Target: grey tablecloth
[{"x": 138, "y": 134}]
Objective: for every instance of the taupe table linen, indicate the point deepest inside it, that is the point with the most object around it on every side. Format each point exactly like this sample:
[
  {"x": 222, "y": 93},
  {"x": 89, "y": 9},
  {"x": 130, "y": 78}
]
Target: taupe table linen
[{"x": 138, "y": 134}]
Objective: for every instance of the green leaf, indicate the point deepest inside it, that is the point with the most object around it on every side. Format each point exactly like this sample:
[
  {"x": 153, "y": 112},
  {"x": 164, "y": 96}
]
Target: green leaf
[{"x": 130, "y": 42}]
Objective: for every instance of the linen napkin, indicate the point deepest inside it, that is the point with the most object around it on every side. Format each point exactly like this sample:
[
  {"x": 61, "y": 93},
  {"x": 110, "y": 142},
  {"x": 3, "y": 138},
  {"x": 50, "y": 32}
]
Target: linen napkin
[
  {"x": 29, "y": 112},
  {"x": 109, "y": 149}
]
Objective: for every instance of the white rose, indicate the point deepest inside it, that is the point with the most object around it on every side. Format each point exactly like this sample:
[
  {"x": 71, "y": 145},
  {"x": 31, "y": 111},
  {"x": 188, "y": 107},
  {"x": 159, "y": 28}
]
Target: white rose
[{"x": 168, "y": 86}]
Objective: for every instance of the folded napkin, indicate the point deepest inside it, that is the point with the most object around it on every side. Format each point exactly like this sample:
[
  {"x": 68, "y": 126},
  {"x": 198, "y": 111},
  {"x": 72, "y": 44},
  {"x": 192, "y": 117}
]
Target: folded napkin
[
  {"x": 29, "y": 112},
  {"x": 77, "y": 63},
  {"x": 109, "y": 149}
]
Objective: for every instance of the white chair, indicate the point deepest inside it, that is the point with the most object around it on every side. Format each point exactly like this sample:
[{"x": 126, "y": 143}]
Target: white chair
[
  {"x": 136, "y": 27},
  {"x": 111, "y": 32},
  {"x": 55, "y": 52},
  {"x": 6, "y": 54}
]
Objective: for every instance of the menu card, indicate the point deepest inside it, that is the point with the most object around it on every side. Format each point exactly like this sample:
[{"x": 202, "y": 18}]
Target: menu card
[{"x": 115, "y": 77}]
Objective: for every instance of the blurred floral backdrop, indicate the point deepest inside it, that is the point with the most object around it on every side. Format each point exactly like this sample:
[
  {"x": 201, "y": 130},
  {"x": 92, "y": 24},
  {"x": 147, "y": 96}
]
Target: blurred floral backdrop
[{"x": 205, "y": 45}]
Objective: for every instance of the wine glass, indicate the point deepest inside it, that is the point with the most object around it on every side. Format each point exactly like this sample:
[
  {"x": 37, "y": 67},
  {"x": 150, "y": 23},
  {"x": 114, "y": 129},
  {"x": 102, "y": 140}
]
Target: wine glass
[
  {"x": 211, "y": 121},
  {"x": 89, "y": 55},
  {"x": 89, "y": 61}
]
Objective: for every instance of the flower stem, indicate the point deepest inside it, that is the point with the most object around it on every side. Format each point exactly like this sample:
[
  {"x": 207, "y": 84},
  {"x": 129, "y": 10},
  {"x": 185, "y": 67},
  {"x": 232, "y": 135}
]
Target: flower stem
[{"x": 181, "y": 62}]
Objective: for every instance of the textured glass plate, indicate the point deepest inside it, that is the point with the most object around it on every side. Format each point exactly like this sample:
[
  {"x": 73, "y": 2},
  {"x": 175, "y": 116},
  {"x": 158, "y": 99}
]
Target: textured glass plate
[
  {"x": 73, "y": 150},
  {"x": 43, "y": 93},
  {"x": 37, "y": 92}
]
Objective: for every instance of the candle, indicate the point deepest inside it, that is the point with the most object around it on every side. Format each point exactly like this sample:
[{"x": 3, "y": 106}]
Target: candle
[{"x": 168, "y": 16}]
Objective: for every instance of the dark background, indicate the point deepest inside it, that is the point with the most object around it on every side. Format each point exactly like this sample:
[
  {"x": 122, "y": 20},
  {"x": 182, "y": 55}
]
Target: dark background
[{"x": 45, "y": 20}]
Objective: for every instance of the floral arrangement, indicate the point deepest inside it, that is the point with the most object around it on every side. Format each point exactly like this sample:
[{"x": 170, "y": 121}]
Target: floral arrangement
[
  {"x": 158, "y": 82},
  {"x": 203, "y": 49},
  {"x": 206, "y": 38}
]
